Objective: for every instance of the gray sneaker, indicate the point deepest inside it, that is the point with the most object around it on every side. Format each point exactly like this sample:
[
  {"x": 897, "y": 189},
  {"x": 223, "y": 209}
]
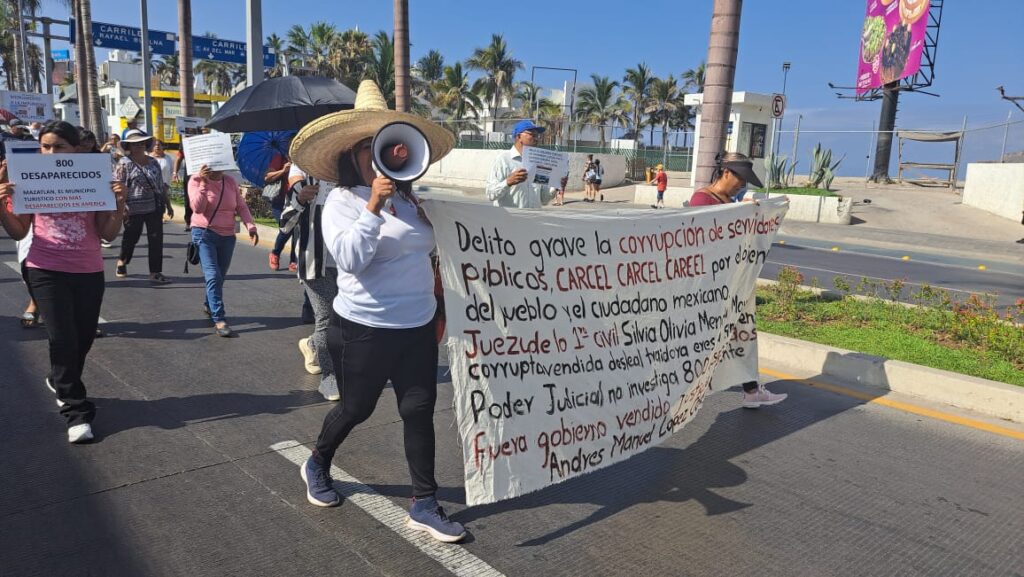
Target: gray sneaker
[{"x": 329, "y": 389}]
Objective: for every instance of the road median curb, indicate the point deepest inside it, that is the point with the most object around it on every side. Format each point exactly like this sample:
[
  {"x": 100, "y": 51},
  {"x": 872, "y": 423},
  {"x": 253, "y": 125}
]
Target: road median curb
[{"x": 983, "y": 396}]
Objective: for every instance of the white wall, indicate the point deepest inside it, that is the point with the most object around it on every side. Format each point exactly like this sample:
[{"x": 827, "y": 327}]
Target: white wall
[
  {"x": 996, "y": 188},
  {"x": 463, "y": 168}
]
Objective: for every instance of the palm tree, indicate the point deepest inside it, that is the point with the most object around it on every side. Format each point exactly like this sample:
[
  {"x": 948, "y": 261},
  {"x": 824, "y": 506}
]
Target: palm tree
[
  {"x": 92, "y": 91},
  {"x": 455, "y": 97},
  {"x": 380, "y": 65},
  {"x": 528, "y": 95},
  {"x": 322, "y": 37},
  {"x": 722, "y": 49},
  {"x": 167, "y": 69},
  {"x": 276, "y": 44},
  {"x": 185, "y": 79},
  {"x": 36, "y": 71},
  {"x": 694, "y": 77},
  {"x": 216, "y": 75},
  {"x": 349, "y": 54},
  {"x": 665, "y": 100},
  {"x": 636, "y": 84},
  {"x": 601, "y": 105},
  {"x": 298, "y": 46},
  {"x": 499, "y": 68},
  {"x": 425, "y": 73}
]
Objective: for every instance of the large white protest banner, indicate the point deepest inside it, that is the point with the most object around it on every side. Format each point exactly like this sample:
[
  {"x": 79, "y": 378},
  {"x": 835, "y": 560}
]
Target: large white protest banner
[
  {"x": 579, "y": 339},
  {"x": 45, "y": 183},
  {"x": 213, "y": 150}
]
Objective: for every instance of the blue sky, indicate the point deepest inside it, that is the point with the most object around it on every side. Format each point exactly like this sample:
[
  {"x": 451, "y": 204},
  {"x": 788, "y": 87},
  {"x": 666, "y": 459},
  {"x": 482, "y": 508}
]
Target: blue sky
[{"x": 980, "y": 47}]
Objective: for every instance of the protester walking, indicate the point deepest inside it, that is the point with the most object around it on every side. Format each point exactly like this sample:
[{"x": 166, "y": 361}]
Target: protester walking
[
  {"x": 147, "y": 201},
  {"x": 213, "y": 231},
  {"x": 276, "y": 179},
  {"x": 65, "y": 275},
  {"x": 506, "y": 183},
  {"x": 383, "y": 326},
  {"x": 598, "y": 179},
  {"x": 316, "y": 270}
]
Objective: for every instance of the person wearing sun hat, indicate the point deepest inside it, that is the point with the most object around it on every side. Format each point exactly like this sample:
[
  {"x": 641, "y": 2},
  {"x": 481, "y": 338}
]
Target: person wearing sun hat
[
  {"x": 383, "y": 323},
  {"x": 506, "y": 183},
  {"x": 147, "y": 202}
]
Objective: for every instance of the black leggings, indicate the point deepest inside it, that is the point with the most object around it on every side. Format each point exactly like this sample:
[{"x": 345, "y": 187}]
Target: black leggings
[
  {"x": 154, "y": 223},
  {"x": 70, "y": 305},
  {"x": 364, "y": 359}
]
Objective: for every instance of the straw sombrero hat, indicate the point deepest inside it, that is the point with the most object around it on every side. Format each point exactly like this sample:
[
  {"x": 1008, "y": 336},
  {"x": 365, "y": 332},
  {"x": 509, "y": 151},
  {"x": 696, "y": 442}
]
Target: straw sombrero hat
[{"x": 317, "y": 147}]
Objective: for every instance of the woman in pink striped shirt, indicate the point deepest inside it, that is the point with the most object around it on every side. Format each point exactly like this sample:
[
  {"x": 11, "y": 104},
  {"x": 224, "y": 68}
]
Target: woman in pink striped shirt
[{"x": 215, "y": 200}]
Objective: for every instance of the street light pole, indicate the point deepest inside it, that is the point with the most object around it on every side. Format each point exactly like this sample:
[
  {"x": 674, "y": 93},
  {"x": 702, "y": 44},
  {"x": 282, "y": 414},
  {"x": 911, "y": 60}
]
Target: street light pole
[
  {"x": 147, "y": 88},
  {"x": 253, "y": 42}
]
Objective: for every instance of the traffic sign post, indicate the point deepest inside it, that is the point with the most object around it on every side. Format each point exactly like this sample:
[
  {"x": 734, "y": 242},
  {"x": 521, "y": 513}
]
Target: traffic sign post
[{"x": 778, "y": 105}]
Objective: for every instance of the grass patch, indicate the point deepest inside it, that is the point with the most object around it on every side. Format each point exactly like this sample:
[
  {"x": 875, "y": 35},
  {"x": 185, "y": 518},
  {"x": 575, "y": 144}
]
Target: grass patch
[
  {"x": 801, "y": 190},
  {"x": 967, "y": 337}
]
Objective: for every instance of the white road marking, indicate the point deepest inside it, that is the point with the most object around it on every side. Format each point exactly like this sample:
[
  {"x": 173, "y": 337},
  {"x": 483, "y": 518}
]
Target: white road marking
[
  {"x": 16, "y": 267},
  {"x": 454, "y": 558}
]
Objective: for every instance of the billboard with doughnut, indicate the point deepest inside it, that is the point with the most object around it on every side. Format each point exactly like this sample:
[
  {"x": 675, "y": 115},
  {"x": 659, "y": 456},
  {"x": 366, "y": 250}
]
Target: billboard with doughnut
[{"x": 891, "y": 43}]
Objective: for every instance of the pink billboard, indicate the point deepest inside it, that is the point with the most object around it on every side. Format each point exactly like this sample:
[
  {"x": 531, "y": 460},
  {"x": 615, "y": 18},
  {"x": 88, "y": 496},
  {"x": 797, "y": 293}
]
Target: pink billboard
[{"x": 892, "y": 41}]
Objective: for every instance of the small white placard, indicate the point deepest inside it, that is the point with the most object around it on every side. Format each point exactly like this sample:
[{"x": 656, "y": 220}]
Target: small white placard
[
  {"x": 213, "y": 150},
  {"x": 188, "y": 125},
  {"x": 46, "y": 183},
  {"x": 544, "y": 166}
]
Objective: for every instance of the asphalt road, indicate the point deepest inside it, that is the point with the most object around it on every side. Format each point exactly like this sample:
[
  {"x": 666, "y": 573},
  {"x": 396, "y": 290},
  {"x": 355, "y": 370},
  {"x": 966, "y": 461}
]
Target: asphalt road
[{"x": 193, "y": 471}]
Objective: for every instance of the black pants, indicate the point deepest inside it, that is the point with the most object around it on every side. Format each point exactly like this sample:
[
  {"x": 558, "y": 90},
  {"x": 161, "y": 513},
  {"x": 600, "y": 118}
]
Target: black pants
[
  {"x": 188, "y": 203},
  {"x": 154, "y": 223},
  {"x": 70, "y": 303},
  {"x": 364, "y": 359}
]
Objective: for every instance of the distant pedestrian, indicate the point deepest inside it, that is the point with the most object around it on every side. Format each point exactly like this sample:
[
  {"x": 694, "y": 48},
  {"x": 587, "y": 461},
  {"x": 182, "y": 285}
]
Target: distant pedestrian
[
  {"x": 588, "y": 179},
  {"x": 660, "y": 180},
  {"x": 158, "y": 154},
  {"x": 65, "y": 272},
  {"x": 213, "y": 231},
  {"x": 180, "y": 174},
  {"x": 598, "y": 179},
  {"x": 506, "y": 183},
  {"x": 147, "y": 202}
]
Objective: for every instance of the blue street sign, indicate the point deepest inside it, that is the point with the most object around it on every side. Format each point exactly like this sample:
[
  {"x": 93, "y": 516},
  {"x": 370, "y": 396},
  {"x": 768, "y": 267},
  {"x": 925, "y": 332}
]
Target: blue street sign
[
  {"x": 112, "y": 36},
  {"x": 222, "y": 50},
  {"x": 60, "y": 55}
]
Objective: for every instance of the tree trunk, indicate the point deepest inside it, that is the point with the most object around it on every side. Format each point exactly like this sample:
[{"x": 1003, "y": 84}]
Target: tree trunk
[
  {"x": 84, "y": 116},
  {"x": 188, "y": 106},
  {"x": 402, "y": 103},
  {"x": 98, "y": 122},
  {"x": 886, "y": 124},
  {"x": 719, "y": 76},
  {"x": 19, "y": 64}
]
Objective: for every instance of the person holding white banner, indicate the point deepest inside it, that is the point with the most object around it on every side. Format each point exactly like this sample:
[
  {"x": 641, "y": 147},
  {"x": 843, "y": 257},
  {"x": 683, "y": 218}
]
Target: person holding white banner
[
  {"x": 383, "y": 326},
  {"x": 506, "y": 183},
  {"x": 65, "y": 272}
]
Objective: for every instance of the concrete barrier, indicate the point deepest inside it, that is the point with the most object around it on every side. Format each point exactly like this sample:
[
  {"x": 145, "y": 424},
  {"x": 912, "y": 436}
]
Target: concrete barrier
[
  {"x": 996, "y": 188},
  {"x": 464, "y": 168},
  {"x": 980, "y": 395},
  {"x": 802, "y": 207}
]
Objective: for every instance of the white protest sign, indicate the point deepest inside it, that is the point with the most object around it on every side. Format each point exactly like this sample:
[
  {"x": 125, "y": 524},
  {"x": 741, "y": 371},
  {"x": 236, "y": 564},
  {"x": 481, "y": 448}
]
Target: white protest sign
[
  {"x": 580, "y": 339},
  {"x": 188, "y": 125},
  {"x": 61, "y": 182},
  {"x": 213, "y": 150},
  {"x": 28, "y": 106},
  {"x": 545, "y": 166}
]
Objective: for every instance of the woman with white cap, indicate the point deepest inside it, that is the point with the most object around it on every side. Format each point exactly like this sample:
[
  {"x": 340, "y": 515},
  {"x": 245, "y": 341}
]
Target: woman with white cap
[
  {"x": 147, "y": 201},
  {"x": 383, "y": 325}
]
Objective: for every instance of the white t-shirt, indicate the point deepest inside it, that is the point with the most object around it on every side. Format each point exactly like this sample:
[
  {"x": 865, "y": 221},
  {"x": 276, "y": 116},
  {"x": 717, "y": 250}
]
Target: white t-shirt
[{"x": 165, "y": 167}]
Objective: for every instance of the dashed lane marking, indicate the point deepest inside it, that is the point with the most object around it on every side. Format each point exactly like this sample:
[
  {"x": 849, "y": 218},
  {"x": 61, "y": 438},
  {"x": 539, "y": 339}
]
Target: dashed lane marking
[
  {"x": 454, "y": 558},
  {"x": 901, "y": 406}
]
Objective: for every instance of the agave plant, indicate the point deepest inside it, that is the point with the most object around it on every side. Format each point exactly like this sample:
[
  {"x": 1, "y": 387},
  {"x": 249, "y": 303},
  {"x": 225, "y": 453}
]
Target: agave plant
[
  {"x": 823, "y": 169},
  {"x": 778, "y": 171}
]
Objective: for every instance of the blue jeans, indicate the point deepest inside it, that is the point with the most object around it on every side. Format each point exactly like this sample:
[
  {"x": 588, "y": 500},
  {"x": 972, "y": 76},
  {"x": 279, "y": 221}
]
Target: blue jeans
[
  {"x": 282, "y": 238},
  {"x": 215, "y": 257}
]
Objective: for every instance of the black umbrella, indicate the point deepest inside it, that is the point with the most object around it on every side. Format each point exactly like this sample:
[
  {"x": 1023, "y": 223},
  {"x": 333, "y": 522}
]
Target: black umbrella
[{"x": 286, "y": 103}]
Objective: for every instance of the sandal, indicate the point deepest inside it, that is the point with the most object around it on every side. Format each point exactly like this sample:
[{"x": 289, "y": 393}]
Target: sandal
[
  {"x": 159, "y": 278},
  {"x": 121, "y": 271},
  {"x": 29, "y": 320}
]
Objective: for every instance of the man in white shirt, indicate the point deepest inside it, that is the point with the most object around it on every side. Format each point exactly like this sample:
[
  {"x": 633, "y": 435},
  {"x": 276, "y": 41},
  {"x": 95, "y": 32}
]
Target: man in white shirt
[{"x": 506, "y": 184}]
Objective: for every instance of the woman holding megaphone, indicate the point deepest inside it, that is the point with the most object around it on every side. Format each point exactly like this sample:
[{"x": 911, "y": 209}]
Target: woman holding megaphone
[{"x": 383, "y": 323}]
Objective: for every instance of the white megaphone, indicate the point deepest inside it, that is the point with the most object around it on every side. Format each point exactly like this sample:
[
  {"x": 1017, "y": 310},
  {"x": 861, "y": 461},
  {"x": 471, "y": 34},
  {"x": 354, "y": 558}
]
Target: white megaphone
[{"x": 401, "y": 152}]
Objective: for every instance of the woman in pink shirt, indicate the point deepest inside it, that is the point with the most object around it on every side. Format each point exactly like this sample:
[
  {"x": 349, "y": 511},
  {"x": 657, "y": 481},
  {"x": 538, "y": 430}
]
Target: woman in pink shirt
[
  {"x": 215, "y": 200},
  {"x": 65, "y": 272}
]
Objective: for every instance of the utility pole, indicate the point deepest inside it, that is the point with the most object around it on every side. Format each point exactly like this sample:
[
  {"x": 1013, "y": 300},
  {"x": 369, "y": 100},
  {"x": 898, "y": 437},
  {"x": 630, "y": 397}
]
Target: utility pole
[
  {"x": 402, "y": 103},
  {"x": 886, "y": 125},
  {"x": 721, "y": 72},
  {"x": 147, "y": 58},
  {"x": 254, "y": 42}
]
